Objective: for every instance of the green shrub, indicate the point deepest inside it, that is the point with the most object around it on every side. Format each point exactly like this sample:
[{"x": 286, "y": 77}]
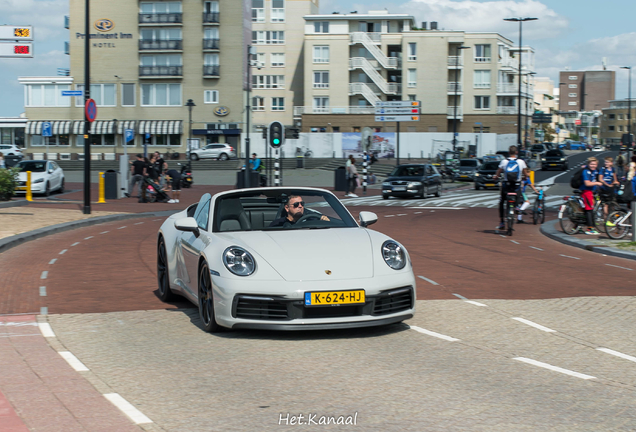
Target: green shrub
[{"x": 8, "y": 183}]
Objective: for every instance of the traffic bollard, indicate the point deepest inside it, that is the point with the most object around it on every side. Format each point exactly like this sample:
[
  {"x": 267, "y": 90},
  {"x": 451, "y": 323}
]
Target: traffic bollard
[
  {"x": 29, "y": 194},
  {"x": 101, "y": 199},
  {"x": 532, "y": 176}
]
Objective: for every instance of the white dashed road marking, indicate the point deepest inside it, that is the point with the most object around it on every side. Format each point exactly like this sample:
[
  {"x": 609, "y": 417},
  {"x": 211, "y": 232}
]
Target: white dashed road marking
[
  {"x": 554, "y": 368},
  {"x": 389, "y": 215},
  {"x": 624, "y": 268},
  {"x": 539, "y": 249},
  {"x": 515, "y": 242},
  {"x": 475, "y": 303},
  {"x": 402, "y": 214},
  {"x": 88, "y": 238},
  {"x": 63, "y": 252},
  {"x": 53, "y": 261},
  {"x": 46, "y": 329},
  {"x": 44, "y": 275},
  {"x": 75, "y": 244},
  {"x": 567, "y": 256},
  {"x": 73, "y": 361},
  {"x": 138, "y": 223},
  {"x": 43, "y": 291},
  {"x": 617, "y": 354},
  {"x": 432, "y": 333},
  {"x": 127, "y": 408},
  {"x": 428, "y": 280},
  {"x": 104, "y": 232},
  {"x": 122, "y": 227},
  {"x": 535, "y": 325}
]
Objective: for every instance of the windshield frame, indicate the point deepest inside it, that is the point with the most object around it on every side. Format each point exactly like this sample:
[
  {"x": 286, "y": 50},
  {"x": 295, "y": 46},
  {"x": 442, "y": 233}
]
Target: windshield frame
[
  {"x": 25, "y": 164},
  {"x": 395, "y": 171}
]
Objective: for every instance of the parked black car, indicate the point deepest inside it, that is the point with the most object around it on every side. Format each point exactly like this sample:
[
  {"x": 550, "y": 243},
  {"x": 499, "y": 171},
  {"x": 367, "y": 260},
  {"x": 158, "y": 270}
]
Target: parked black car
[
  {"x": 554, "y": 159},
  {"x": 483, "y": 176},
  {"x": 467, "y": 169},
  {"x": 413, "y": 180}
]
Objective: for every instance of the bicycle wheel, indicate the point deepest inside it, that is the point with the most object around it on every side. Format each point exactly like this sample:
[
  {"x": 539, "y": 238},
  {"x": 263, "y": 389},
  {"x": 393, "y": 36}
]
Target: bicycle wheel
[
  {"x": 535, "y": 212},
  {"x": 599, "y": 216},
  {"x": 620, "y": 228},
  {"x": 510, "y": 219},
  {"x": 567, "y": 225},
  {"x": 542, "y": 211}
]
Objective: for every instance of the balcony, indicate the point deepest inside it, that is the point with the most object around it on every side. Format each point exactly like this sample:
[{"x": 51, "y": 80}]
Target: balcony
[
  {"x": 450, "y": 113},
  {"x": 481, "y": 85},
  {"x": 210, "y": 44},
  {"x": 512, "y": 110},
  {"x": 160, "y": 71},
  {"x": 300, "y": 110},
  {"x": 513, "y": 89},
  {"x": 454, "y": 87},
  {"x": 211, "y": 71},
  {"x": 210, "y": 17},
  {"x": 160, "y": 45},
  {"x": 455, "y": 62},
  {"x": 483, "y": 59},
  {"x": 160, "y": 18}
]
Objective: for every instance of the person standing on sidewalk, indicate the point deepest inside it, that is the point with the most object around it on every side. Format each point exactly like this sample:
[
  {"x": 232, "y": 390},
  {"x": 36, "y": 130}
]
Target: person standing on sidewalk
[
  {"x": 590, "y": 182},
  {"x": 138, "y": 170},
  {"x": 353, "y": 177}
]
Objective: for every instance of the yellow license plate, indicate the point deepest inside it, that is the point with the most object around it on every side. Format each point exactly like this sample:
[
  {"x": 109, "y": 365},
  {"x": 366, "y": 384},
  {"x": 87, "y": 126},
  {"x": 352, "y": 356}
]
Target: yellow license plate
[
  {"x": 490, "y": 184},
  {"x": 21, "y": 188},
  {"x": 327, "y": 298},
  {"x": 553, "y": 164}
]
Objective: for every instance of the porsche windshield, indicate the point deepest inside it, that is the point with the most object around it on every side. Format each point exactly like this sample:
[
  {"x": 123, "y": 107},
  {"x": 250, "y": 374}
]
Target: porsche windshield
[
  {"x": 32, "y": 166},
  {"x": 279, "y": 209}
]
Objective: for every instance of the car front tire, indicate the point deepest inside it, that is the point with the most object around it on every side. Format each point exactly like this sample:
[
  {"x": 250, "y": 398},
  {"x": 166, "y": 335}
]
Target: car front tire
[
  {"x": 438, "y": 194},
  {"x": 477, "y": 187},
  {"x": 194, "y": 157},
  {"x": 206, "y": 301},
  {"x": 224, "y": 156},
  {"x": 61, "y": 189},
  {"x": 163, "y": 277},
  {"x": 385, "y": 197}
]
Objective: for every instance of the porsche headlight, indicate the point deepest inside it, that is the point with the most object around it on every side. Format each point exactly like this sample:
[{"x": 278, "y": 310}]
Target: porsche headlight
[
  {"x": 394, "y": 255},
  {"x": 239, "y": 261},
  {"x": 40, "y": 180}
]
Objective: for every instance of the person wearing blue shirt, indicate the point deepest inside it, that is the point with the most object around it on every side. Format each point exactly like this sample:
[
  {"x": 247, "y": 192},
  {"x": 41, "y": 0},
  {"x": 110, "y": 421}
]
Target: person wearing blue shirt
[
  {"x": 526, "y": 202},
  {"x": 607, "y": 176},
  {"x": 589, "y": 183},
  {"x": 256, "y": 163}
]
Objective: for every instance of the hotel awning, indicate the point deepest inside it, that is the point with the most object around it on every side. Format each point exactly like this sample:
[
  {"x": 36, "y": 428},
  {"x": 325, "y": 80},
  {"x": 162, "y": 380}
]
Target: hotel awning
[
  {"x": 58, "y": 127},
  {"x": 161, "y": 127},
  {"x": 125, "y": 124},
  {"x": 97, "y": 127}
]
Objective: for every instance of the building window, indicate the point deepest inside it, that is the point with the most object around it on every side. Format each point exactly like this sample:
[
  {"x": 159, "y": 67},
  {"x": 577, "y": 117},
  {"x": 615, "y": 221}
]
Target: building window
[
  {"x": 573, "y": 77},
  {"x": 161, "y": 60},
  {"x": 278, "y": 104},
  {"x": 478, "y": 129},
  {"x": 321, "y": 104},
  {"x": 258, "y": 11},
  {"x": 321, "y": 79},
  {"x": 571, "y": 103},
  {"x": 258, "y": 103},
  {"x": 573, "y": 86},
  {"x": 211, "y": 96},
  {"x": 211, "y": 33},
  {"x": 277, "y": 59},
  {"x": 268, "y": 37},
  {"x": 482, "y": 53},
  {"x": 278, "y": 11},
  {"x": 412, "y": 51},
  {"x": 620, "y": 116},
  {"x": 321, "y": 27},
  {"x": 164, "y": 140},
  {"x": 211, "y": 6},
  {"x": 268, "y": 81},
  {"x": 40, "y": 95},
  {"x": 160, "y": 94},
  {"x": 571, "y": 94},
  {"x": 321, "y": 54},
  {"x": 258, "y": 59},
  {"x": 412, "y": 97},
  {"x": 612, "y": 116},
  {"x": 160, "y": 34},
  {"x": 160, "y": 7},
  {"x": 102, "y": 94},
  {"x": 620, "y": 128},
  {"x": 611, "y": 128},
  {"x": 128, "y": 95},
  {"x": 481, "y": 79},
  {"x": 482, "y": 102},
  {"x": 211, "y": 60},
  {"x": 412, "y": 78}
]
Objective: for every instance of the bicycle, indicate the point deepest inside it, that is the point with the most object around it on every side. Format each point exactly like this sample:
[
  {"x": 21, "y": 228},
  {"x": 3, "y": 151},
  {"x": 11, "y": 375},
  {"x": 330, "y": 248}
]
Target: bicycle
[
  {"x": 538, "y": 210},
  {"x": 511, "y": 204},
  {"x": 619, "y": 223},
  {"x": 572, "y": 214}
]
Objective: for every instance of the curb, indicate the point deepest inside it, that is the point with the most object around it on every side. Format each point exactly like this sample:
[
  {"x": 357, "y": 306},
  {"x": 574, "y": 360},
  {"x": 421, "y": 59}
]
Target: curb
[
  {"x": 548, "y": 229},
  {"x": 9, "y": 204},
  {"x": 16, "y": 240}
]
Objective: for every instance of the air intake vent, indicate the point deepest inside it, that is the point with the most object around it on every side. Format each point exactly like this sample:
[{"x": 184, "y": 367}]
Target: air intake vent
[
  {"x": 394, "y": 301},
  {"x": 256, "y": 308}
]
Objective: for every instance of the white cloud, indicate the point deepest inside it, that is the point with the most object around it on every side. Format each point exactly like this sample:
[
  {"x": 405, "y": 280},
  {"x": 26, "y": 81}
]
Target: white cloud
[{"x": 46, "y": 16}]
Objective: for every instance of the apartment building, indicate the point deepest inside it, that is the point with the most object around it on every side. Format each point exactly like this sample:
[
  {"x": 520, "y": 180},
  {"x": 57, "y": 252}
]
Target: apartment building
[
  {"x": 586, "y": 90},
  {"x": 278, "y": 30},
  {"x": 353, "y": 61},
  {"x": 615, "y": 123},
  {"x": 148, "y": 58}
]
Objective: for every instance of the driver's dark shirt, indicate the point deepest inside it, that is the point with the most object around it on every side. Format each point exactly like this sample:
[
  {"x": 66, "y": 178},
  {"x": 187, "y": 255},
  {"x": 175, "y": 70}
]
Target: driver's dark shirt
[{"x": 281, "y": 221}]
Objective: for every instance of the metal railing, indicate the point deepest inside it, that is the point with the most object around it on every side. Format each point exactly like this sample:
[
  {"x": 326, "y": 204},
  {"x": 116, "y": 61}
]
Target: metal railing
[
  {"x": 160, "y": 18},
  {"x": 369, "y": 42},
  {"x": 376, "y": 77},
  {"x": 481, "y": 85},
  {"x": 365, "y": 90},
  {"x": 162, "y": 71},
  {"x": 450, "y": 113},
  {"x": 455, "y": 61},
  {"x": 454, "y": 87},
  {"x": 213, "y": 70},
  {"x": 210, "y": 43},
  {"x": 160, "y": 44},
  {"x": 483, "y": 59},
  {"x": 210, "y": 17},
  {"x": 511, "y": 110}
]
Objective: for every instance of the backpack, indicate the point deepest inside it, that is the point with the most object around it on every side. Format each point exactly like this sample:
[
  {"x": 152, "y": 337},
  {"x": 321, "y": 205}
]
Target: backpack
[
  {"x": 625, "y": 193},
  {"x": 577, "y": 179},
  {"x": 512, "y": 171}
]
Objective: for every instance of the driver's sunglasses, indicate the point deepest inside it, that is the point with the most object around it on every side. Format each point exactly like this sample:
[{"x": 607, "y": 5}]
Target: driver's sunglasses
[{"x": 299, "y": 203}]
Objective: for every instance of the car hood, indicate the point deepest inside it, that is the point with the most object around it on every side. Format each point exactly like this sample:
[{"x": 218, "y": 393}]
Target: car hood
[
  {"x": 308, "y": 255},
  {"x": 404, "y": 178}
]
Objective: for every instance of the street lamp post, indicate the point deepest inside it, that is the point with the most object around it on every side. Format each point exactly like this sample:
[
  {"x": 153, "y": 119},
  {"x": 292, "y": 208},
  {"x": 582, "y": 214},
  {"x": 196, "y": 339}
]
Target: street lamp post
[
  {"x": 190, "y": 104},
  {"x": 520, "y": 20},
  {"x": 248, "y": 113},
  {"x": 527, "y": 125},
  {"x": 629, "y": 110},
  {"x": 459, "y": 53}
]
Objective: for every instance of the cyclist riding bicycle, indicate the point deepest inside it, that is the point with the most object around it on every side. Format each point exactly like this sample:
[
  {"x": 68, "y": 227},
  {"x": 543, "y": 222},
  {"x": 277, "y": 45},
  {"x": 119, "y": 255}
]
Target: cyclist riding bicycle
[
  {"x": 514, "y": 169},
  {"x": 526, "y": 202}
]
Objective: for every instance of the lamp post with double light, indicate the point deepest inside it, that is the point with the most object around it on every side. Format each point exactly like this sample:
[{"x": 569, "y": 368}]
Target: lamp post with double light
[
  {"x": 459, "y": 53},
  {"x": 190, "y": 104},
  {"x": 520, "y": 20},
  {"x": 527, "y": 125}
]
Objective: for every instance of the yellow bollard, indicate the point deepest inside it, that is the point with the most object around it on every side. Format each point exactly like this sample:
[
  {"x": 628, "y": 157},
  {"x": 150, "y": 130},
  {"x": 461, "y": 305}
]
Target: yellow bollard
[
  {"x": 29, "y": 194},
  {"x": 101, "y": 199},
  {"x": 532, "y": 176}
]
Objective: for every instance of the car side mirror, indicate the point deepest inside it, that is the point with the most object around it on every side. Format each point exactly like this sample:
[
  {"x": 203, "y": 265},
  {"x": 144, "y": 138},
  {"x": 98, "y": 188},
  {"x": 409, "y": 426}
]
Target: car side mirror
[
  {"x": 188, "y": 224},
  {"x": 51, "y": 171},
  {"x": 367, "y": 218}
]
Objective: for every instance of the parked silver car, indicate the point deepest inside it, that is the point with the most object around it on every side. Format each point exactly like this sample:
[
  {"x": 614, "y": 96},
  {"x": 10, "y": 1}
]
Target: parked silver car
[
  {"x": 11, "y": 150},
  {"x": 214, "y": 151}
]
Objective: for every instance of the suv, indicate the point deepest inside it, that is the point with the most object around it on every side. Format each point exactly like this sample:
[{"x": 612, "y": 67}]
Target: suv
[
  {"x": 467, "y": 169},
  {"x": 412, "y": 181},
  {"x": 483, "y": 176},
  {"x": 554, "y": 159},
  {"x": 10, "y": 150},
  {"x": 213, "y": 151}
]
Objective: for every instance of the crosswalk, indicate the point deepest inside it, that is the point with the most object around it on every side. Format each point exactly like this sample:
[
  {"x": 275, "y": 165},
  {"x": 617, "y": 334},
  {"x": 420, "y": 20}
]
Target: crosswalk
[{"x": 455, "y": 200}]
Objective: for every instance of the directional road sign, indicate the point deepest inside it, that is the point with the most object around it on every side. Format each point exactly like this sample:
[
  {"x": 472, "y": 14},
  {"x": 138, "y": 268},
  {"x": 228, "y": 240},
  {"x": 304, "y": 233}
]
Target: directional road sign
[
  {"x": 129, "y": 134},
  {"x": 397, "y": 104},
  {"x": 397, "y": 118},
  {"x": 72, "y": 92},
  {"x": 16, "y": 33},
  {"x": 406, "y": 110},
  {"x": 47, "y": 129}
]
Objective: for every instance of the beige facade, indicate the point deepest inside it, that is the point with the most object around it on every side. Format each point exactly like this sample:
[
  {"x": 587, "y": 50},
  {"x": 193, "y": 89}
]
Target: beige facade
[
  {"x": 354, "y": 61},
  {"x": 615, "y": 123},
  {"x": 147, "y": 59}
]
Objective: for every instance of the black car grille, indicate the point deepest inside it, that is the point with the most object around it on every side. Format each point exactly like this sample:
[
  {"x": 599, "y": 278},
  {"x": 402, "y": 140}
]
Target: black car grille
[
  {"x": 394, "y": 301},
  {"x": 399, "y": 183},
  {"x": 255, "y": 308}
]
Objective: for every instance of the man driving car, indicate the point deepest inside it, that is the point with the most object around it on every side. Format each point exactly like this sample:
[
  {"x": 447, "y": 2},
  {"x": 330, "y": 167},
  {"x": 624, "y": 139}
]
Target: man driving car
[{"x": 295, "y": 209}]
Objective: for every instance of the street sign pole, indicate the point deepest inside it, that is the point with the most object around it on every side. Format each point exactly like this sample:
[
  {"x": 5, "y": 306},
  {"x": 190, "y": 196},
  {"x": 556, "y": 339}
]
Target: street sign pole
[
  {"x": 87, "y": 96},
  {"x": 398, "y": 143}
]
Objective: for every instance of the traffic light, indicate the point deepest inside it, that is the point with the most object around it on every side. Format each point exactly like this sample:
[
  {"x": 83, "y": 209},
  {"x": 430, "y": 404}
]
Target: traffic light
[{"x": 276, "y": 134}]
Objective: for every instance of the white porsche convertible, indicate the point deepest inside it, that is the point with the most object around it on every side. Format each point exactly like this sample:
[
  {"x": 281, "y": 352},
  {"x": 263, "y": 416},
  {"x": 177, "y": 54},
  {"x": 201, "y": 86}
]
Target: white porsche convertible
[{"x": 283, "y": 259}]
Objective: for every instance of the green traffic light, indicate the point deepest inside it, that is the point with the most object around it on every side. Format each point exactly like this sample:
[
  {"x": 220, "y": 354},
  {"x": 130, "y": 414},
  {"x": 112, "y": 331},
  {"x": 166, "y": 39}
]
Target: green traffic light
[{"x": 276, "y": 141}]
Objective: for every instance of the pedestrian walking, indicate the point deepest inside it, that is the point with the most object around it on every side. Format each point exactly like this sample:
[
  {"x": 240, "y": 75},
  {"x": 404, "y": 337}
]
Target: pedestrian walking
[
  {"x": 2, "y": 164},
  {"x": 353, "y": 178},
  {"x": 138, "y": 170}
]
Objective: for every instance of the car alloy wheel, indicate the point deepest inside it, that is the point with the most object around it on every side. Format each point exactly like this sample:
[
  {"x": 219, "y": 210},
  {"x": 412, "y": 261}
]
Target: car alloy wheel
[
  {"x": 163, "y": 277},
  {"x": 206, "y": 301},
  {"x": 194, "y": 157},
  {"x": 61, "y": 190},
  {"x": 223, "y": 156}
]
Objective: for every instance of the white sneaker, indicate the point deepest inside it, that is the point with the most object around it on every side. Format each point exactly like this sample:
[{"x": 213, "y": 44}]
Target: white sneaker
[
  {"x": 176, "y": 201},
  {"x": 353, "y": 195},
  {"x": 171, "y": 201}
]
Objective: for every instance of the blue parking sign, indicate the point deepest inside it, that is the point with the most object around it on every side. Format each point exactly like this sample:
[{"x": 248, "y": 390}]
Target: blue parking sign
[
  {"x": 47, "y": 129},
  {"x": 129, "y": 134}
]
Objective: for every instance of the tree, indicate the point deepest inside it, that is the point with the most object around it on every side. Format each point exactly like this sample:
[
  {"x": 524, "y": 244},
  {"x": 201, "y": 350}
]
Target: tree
[{"x": 548, "y": 132}]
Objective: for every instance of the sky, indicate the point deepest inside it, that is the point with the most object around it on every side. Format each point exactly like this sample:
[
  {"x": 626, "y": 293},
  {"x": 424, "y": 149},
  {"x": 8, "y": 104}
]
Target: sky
[{"x": 574, "y": 34}]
